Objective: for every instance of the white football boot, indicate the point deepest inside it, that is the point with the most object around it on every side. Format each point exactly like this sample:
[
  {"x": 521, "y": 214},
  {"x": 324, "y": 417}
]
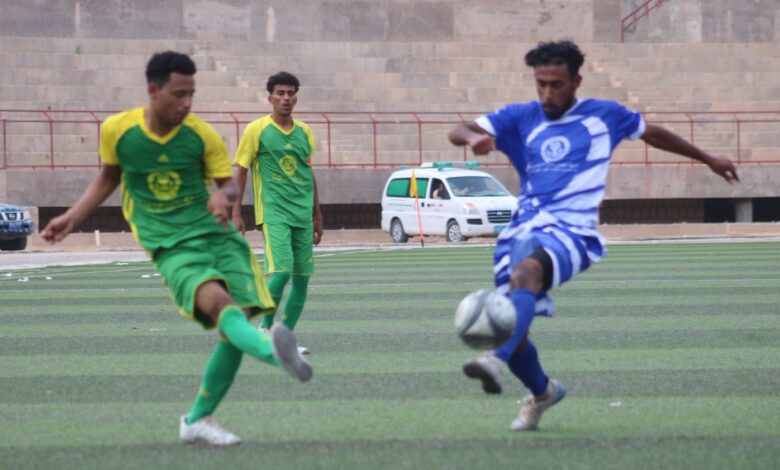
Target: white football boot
[
  {"x": 531, "y": 411},
  {"x": 207, "y": 431},
  {"x": 486, "y": 368},
  {"x": 302, "y": 350},
  {"x": 286, "y": 352}
]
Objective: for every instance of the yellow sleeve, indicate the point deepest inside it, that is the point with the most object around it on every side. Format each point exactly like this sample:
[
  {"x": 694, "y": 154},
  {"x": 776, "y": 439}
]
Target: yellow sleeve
[
  {"x": 216, "y": 158},
  {"x": 310, "y": 138},
  {"x": 248, "y": 146},
  {"x": 109, "y": 136}
]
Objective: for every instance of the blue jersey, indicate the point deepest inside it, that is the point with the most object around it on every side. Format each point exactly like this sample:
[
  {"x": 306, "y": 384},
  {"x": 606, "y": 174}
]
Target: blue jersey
[{"x": 562, "y": 163}]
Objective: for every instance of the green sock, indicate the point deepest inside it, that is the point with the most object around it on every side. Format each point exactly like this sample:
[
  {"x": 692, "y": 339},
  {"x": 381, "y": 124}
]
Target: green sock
[
  {"x": 217, "y": 379},
  {"x": 276, "y": 287},
  {"x": 295, "y": 301},
  {"x": 241, "y": 334}
]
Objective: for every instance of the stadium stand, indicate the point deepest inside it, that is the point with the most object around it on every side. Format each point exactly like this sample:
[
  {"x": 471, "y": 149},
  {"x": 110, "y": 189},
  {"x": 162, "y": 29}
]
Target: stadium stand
[{"x": 717, "y": 83}]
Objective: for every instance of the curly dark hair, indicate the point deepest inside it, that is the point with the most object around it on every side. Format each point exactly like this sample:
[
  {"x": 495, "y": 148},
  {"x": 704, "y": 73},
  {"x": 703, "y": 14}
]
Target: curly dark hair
[
  {"x": 282, "y": 78},
  {"x": 163, "y": 64},
  {"x": 556, "y": 53}
]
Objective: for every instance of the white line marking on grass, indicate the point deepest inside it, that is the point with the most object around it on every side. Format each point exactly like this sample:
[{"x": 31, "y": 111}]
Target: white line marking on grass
[
  {"x": 42, "y": 273},
  {"x": 407, "y": 284}
]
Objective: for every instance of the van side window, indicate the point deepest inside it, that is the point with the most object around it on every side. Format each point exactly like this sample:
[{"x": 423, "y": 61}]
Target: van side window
[
  {"x": 398, "y": 188},
  {"x": 439, "y": 190},
  {"x": 422, "y": 187}
]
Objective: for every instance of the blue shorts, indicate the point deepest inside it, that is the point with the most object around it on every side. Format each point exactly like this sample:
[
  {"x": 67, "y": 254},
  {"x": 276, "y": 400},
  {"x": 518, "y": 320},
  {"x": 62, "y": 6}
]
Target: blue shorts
[{"x": 572, "y": 249}]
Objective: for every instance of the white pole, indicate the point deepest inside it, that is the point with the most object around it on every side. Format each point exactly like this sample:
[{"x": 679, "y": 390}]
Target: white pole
[{"x": 97, "y": 237}]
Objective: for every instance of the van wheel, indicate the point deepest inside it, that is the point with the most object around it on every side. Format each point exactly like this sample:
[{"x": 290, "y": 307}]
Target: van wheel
[
  {"x": 397, "y": 233},
  {"x": 13, "y": 244},
  {"x": 453, "y": 232}
]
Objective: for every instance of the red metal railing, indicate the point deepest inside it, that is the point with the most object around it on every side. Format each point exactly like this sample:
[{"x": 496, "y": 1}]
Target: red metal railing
[
  {"x": 642, "y": 11},
  {"x": 380, "y": 139}
]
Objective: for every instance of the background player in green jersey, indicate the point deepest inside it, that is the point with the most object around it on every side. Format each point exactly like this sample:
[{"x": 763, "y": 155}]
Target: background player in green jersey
[
  {"x": 278, "y": 150},
  {"x": 163, "y": 155}
]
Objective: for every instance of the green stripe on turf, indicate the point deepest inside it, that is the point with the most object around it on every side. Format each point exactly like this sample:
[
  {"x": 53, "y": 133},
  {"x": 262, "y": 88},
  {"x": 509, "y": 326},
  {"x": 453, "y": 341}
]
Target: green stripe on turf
[{"x": 555, "y": 361}]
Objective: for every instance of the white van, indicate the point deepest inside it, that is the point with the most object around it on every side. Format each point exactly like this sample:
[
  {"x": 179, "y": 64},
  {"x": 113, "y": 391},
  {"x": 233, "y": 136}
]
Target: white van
[{"x": 458, "y": 203}]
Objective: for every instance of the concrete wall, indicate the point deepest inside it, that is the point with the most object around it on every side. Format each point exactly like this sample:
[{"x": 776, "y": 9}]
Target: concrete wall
[
  {"x": 325, "y": 20},
  {"x": 707, "y": 21},
  {"x": 447, "y": 21},
  {"x": 355, "y": 186},
  {"x": 284, "y": 20},
  {"x": 396, "y": 20}
]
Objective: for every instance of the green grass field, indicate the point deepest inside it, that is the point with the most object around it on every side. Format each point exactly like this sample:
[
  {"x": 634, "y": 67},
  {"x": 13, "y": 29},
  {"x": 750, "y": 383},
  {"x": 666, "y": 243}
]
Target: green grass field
[{"x": 670, "y": 353}]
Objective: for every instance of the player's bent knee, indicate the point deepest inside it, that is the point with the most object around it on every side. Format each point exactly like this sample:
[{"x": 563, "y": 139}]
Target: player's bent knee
[
  {"x": 527, "y": 275},
  {"x": 211, "y": 298}
]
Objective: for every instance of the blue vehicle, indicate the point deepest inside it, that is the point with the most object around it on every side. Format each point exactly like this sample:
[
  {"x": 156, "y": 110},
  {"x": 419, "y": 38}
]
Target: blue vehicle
[{"x": 15, "y": 225}]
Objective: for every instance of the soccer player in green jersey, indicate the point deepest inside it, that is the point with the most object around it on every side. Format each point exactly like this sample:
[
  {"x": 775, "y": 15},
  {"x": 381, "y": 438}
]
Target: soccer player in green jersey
[
  {"x": 278, "y": 150},
  {"x": 164, "y": 157}
]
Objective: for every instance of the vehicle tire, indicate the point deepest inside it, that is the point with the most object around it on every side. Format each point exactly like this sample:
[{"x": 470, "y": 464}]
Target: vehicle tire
[
  {"x": 397, "y": 233},
  {"x": 453, "y": 232},
  {"x": 13, "y": 244}
]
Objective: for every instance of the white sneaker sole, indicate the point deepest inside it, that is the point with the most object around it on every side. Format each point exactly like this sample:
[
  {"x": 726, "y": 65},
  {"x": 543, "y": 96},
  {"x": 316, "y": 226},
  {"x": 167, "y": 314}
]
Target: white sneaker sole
[
  {"x": 286, "y": 352},
  {"x": 477, "y": 370},
  {"x": 202, "y": 442}
]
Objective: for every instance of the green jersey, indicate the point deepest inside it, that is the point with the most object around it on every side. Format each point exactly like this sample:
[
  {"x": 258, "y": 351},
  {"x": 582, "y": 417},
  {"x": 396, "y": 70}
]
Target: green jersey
[
  {"x": 164, "y": 179},
  {"x": 280, "y": 162}
]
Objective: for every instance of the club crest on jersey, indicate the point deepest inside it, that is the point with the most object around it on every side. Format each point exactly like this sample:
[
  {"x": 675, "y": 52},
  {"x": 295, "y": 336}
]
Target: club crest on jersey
[
  {"x": 288, "y": 165},
  {"x": 164, "y": 184},
  {"x": 555, "y": 148}
]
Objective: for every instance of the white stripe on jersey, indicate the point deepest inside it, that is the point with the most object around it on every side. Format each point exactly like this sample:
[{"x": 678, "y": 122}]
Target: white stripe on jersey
[
  {"x": 486, "y": 125},
  {"x": 582, "y": 181},
  {"x": 595, "y": 125},
  {"x": 641, "y": 128},
  {"x": 574, "y": 253},
  {"x": 501, "y": 264},
  {"x": 541, "y": 127},
  {"x": 583, "y": 202}
]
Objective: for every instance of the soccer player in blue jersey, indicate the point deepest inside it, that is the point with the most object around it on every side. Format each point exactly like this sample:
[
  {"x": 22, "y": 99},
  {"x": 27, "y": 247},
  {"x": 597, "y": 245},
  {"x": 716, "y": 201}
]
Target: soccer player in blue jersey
[{"x": 561, "y": 148}]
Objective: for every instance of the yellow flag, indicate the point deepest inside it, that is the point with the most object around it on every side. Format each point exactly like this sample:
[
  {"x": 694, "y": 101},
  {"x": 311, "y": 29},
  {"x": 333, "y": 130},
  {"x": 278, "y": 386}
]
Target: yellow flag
[{"x": 413, "y": 186}]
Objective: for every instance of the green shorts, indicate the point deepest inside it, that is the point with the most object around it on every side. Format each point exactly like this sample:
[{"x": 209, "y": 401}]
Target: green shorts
[
  {"x": 288, "y": 249},
  {"x": 225, "y": 257}
]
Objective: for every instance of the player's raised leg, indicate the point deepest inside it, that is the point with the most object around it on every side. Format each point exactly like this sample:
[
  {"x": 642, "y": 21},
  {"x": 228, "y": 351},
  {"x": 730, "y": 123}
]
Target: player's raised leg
[{"x": 232, "y": 322}]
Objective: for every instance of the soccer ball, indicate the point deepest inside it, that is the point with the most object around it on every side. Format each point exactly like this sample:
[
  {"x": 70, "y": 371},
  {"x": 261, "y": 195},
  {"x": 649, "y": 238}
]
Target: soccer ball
[{"x": 485, "y": 319}]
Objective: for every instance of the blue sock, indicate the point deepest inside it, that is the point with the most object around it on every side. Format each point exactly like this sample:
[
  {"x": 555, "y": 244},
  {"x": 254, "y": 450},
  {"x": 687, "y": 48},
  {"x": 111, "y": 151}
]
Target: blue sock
[
  {"x": 524, "y": 363},
  {"x": 525, "y": 308}
]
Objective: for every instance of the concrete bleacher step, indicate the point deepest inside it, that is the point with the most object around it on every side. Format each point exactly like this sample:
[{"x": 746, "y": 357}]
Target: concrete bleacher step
[
  {"x": 93, "y": 45},
  {"x": 57, "y": 61},
  {"x": 44, "y": 159},
  {"x": 48, "y": 77},
  {"x": 365, "y": 49},
  {"x": 620, "y": 51},
  {"x": 110, "y": 94},
  {"x": 270, "y": 64}
]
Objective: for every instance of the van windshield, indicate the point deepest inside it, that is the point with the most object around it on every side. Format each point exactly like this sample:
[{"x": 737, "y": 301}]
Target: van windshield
[{"x": 476, "y": 186}]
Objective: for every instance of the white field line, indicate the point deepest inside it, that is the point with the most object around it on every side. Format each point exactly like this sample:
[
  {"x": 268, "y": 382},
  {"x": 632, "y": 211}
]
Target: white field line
[{"x": 414, "y": 284}]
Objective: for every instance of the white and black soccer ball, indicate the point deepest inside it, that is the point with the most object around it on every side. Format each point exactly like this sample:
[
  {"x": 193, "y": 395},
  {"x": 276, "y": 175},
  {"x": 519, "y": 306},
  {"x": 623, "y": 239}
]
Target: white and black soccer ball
[{"x": 485, "y": 319}]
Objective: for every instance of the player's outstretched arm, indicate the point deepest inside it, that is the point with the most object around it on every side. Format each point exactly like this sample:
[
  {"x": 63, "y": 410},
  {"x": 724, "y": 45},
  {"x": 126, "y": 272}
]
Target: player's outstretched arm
[
  {"x": 663, "y": 139},
  {"x": 98, "y": 191},
  {"x": 317, "y": 215},
  {"x": 480, "y": 142},
  {"x": 239, "y": 176}
]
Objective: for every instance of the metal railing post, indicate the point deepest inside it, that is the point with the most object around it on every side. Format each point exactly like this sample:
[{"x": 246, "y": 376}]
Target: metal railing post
[
  {"x": 51, "y": 139},
  {"x": 5, "y": 144}
]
